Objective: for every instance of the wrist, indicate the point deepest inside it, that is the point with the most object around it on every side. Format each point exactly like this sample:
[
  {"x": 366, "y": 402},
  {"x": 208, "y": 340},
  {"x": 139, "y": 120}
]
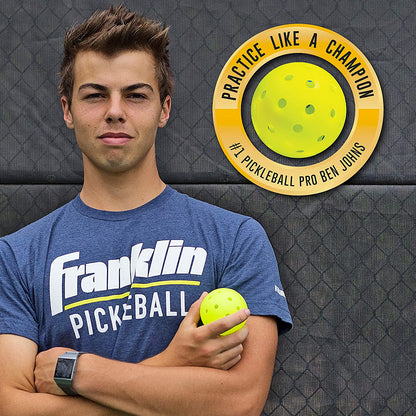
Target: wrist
[
  {"x": 81, "y": 368},
  {"x": 65, "y": 369}
]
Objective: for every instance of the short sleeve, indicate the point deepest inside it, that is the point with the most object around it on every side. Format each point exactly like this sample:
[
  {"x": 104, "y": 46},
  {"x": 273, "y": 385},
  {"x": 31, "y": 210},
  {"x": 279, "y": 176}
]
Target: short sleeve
[
  {"x": 17, "y": 314},
  {"x": 252, "y": 270}
]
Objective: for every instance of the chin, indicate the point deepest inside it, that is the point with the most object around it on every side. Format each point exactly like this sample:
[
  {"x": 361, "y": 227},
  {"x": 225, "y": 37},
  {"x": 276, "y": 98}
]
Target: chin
[{"x": 114, "y": 165}]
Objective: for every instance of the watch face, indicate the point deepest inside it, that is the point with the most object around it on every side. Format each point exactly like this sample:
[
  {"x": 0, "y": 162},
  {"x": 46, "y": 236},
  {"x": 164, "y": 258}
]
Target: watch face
[{"x": 64, "y": 368}]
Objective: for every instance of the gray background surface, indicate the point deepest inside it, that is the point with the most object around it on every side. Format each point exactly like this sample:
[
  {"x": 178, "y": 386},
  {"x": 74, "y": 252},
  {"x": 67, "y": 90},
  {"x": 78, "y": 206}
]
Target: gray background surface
[{"x": 347, "y": 256}]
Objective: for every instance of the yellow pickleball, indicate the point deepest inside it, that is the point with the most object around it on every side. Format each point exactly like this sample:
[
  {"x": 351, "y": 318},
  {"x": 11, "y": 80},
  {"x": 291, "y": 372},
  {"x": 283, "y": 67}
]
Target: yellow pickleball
[
  {"x": 219, "y": 303},
  {"x": 298, "y": 109}
]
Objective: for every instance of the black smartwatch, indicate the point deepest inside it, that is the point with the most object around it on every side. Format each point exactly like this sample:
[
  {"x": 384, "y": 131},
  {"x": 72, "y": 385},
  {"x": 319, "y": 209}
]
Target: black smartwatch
[{"x": 65, "y": 370}]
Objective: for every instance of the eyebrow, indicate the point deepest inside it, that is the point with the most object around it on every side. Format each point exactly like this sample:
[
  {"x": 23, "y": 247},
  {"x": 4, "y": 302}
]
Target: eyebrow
[{"x": 129, "y": 88}]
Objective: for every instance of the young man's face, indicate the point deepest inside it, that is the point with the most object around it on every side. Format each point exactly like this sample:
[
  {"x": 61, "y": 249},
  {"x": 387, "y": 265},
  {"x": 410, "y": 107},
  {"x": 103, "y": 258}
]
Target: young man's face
[{"x": 116, "y": 110}]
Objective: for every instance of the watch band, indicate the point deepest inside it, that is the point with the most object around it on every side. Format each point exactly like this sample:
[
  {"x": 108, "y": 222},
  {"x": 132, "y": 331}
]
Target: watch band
[{"x": 65, "y": 370}]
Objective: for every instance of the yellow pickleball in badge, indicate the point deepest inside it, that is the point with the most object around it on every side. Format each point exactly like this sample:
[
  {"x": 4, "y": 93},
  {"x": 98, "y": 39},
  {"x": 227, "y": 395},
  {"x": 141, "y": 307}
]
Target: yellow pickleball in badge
[{"x": 298, "y": 110}]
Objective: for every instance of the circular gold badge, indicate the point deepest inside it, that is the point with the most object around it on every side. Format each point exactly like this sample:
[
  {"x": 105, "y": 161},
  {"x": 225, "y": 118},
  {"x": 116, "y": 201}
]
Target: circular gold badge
[{"x": 298, "y": 111}]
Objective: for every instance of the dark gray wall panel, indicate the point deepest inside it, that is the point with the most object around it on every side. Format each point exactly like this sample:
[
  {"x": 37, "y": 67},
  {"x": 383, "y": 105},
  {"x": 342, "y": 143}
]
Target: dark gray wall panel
[
  {"x": 347, "y": 262},
  {"x": 36, "y": 147}
]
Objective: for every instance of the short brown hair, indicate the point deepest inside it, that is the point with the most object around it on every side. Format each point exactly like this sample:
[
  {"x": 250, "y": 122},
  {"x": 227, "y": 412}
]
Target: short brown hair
[{"x": 115, "y": 30}]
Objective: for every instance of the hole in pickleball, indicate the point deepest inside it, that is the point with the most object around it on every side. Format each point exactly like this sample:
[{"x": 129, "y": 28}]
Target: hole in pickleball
[
  {"x": 282, "y": 103},
  {"x": 320, "y": 138},
  {"x": 288, "y": 77},
  {"x": 216, "y": 306},
  {"x": 263, "y": 94},
  {"x": 270, "y": 128},
  {"x": 333, "y": 113},
  {"x": 297, "y": 128},
  {"x": 310, "y": 84},
  {"x": 230, "y": 298},
  {"x": 309, "y": 109}
]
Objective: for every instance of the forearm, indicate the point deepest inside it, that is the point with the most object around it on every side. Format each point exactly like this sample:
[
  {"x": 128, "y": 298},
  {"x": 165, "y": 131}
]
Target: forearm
[
  {"x": 150, "y": 391},
  {"x": 39, "y": 404},
  {"x": 17, "y": 402}
]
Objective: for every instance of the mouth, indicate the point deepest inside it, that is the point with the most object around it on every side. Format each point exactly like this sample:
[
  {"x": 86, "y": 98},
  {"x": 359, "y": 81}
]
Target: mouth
[{"x": 115, "y": 138}]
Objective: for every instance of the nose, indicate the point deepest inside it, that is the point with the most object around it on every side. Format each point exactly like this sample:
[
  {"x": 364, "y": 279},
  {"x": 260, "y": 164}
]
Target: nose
[{"x": 115, "y": 111}]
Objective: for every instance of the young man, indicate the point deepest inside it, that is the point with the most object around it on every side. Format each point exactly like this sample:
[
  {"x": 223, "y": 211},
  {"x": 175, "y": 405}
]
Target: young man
[{"x": 120, "y": 272}]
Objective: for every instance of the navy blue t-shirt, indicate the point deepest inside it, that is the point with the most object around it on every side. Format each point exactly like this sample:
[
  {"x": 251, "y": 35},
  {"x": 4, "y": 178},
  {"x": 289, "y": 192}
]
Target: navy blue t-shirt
[{"x": 118, "y": 284}]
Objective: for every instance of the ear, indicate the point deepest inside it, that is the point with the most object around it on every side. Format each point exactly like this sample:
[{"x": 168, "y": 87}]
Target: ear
[
  {"x": 165, "y": 112},
  {"x": 67, "y": 113}
]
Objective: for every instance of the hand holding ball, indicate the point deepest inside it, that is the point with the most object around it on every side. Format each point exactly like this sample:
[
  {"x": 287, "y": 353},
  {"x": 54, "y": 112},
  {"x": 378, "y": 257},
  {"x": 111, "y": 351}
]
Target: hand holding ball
[{"x": 220, "y": 303}]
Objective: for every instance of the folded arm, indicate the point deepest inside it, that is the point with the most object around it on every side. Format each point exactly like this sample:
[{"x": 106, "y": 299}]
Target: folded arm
[
  {"x": 18, "y": 395},
  {"x": 188, "y": 378},
  {"x": 150, "y": 391}
]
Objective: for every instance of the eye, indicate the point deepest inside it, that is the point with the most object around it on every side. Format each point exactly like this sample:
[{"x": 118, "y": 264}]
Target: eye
[
  {"x": 136, "y": 96},
  {"x": 94, "y": 96}
]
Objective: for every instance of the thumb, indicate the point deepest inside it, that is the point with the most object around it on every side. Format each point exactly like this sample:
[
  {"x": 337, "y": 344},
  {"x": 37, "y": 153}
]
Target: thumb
[{"x": 193, "y": 315}]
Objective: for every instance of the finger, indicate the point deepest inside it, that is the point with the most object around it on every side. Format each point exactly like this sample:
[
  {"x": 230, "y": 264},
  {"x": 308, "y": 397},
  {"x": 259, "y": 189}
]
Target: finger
[
  {"x": 232, "y": 342},
  {"x": 224, "y": 324},
  {"x": 231, "y": 355},
  {"x": 227, "y": 359},
  {"x": 231, "y": 363}
]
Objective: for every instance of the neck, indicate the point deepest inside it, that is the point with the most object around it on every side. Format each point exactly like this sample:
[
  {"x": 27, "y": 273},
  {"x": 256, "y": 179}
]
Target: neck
[{"x": 119, "y": 191}]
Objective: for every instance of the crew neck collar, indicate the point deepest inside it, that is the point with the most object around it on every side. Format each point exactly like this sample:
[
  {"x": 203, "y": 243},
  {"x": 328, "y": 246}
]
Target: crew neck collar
[{"x": 86, "y": 210}]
